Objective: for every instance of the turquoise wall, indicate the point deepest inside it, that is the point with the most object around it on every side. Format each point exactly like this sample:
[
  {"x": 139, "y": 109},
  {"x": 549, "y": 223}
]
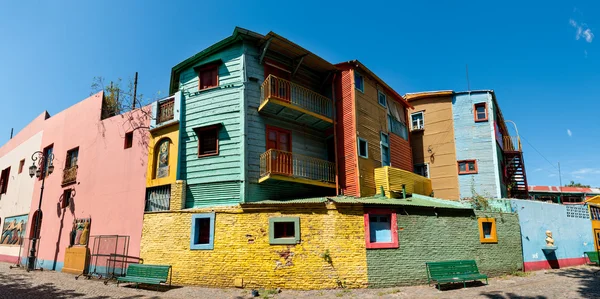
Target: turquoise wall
[{"x": 214, "y": 180}]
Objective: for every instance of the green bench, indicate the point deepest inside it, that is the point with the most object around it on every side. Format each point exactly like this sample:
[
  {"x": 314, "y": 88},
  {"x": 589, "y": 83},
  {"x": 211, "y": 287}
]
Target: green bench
[
  {"x": 593, "y": 257},
  {"x": 148, "y": 274},
  {"x": 453, "y": 271}
]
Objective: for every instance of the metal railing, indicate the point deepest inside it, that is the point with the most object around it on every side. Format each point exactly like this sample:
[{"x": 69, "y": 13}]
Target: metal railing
[
  {"x": 284, "y": 90},
  {"x": 512, "y": 143},
  {"x": 69, "y": 175},
  {"x": 296, "y": 165},
  {"x": 158, "y": 198},
  {"x": 165, "y": 111}
]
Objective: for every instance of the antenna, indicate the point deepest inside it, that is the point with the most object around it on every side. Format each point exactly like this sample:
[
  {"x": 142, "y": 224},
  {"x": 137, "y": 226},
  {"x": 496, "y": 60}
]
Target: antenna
[
  {"x": 468, "y": 83},
  {"x": 134, "y": 90},
  {"x": 11, "y": 132}
]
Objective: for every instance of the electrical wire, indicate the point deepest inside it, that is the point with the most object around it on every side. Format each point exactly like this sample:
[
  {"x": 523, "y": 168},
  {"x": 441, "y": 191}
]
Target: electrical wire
[{"x": 539, "y": 153}]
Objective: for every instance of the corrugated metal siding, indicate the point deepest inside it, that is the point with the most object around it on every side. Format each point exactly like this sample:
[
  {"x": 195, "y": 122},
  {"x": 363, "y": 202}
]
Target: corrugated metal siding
[
  {"x": 475, "y": 140},
  {"x": 392, "y": 179},
  {"x": 346, "y": 134},
  {"x": 401, "y": 153},
  {"x": 276, "y": 190},
  {"x": 221, "y": 105},
  {"x": 213, "y": 194}
]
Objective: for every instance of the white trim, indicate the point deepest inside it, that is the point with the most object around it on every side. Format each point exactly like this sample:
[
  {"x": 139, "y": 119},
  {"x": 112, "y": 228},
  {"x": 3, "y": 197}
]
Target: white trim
[
  {"x": 426, "y": 168},
  {"x": 379, "y": 92},
  {"x": 491, "y": 121},
  {"x": 366, "y": 148},
  {"x": 420, "y": 126}
]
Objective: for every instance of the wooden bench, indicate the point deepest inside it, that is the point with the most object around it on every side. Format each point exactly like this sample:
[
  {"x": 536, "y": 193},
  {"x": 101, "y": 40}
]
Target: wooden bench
[
  {"x": 148, "y": 274},
  {"x": 453, "y": 271},
  {"x": 594, "y": 260}
]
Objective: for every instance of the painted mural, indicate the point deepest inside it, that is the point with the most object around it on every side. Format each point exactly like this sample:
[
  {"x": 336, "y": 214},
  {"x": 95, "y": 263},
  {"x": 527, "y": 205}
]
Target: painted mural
[
  {"x": 13, "y": 231},
  {"x": 80, "y": 232},
  {"x": 162, "y": 168}
]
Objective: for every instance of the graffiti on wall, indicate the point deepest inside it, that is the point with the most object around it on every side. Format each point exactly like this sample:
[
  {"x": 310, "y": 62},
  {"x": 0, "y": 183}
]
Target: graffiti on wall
[{"x": 13, "y": 231}]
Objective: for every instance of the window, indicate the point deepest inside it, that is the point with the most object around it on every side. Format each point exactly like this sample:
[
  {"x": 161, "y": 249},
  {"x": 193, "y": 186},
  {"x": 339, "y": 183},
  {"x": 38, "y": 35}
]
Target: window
[
  {"x": 422, "y": 169},
  {"x": 165, "y": 110},
  {"x": 467, "y": 167},
  {"x": 397, "y": 127},
  {"x": 480, "y": 111},
  {"x": 417, "y": 121},
  {"x": 359, "y": 82},
  {"x": 66, "y": 198},
  {"x": 381, "y": 228},
  {"x": 208, "y": 140},
  {"x": 128, "y": 140},
  {"x": 385, "y": 149},
  {"x": 487, "y": 230},
  {"x": 208, "y": 76},
  {"x": 49, "y": 154},
  {"x": 21, "y": 165},
  {"x": 284, "y": 230},
  {"x": 382, "y": 98},
  {"x": 363, "y": 148},
  {"x": 203, "y": 231},
  {"x": 72, "y": 156},
  {"x": 161, "y": 159},
  {"x": 4, "y": 176}
]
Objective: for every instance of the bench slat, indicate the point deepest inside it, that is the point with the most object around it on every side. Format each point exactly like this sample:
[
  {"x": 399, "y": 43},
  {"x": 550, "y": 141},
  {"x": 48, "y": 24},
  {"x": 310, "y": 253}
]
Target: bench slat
[
  {"x": 454, "y": 271},
  {"x": 143, "y": 273}
]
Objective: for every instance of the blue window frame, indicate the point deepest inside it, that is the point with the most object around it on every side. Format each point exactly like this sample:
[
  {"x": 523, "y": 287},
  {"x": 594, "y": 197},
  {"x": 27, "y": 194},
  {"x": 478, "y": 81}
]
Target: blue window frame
[
  {"x": 359, "y": 81},
  {"x": 382, "y": 98},
  {"x": 385, "y": 149},
  {"x": 203, "y": 231}
]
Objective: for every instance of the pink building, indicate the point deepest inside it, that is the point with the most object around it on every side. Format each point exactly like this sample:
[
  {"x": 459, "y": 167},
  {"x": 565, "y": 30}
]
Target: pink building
[{"x": 100, "y": 174}]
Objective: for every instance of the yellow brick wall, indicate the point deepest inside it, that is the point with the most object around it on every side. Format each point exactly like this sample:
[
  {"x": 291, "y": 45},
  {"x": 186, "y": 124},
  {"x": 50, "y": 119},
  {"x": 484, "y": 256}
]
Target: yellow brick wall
[
  {"x": 242, "y": 249},
  {"x": 178, "y": 192}
]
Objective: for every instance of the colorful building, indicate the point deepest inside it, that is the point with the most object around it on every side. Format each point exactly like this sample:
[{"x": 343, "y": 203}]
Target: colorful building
[
  {"x": 460, "y": 141},
  {"x": 558, "y": 194}
]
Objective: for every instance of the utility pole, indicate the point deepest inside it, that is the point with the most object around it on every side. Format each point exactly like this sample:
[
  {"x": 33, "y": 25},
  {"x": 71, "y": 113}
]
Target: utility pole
[
  {"x": 11, "y": 132},
  {"x": 560, "y": 182},
  {"x": 134, "y": 90}
]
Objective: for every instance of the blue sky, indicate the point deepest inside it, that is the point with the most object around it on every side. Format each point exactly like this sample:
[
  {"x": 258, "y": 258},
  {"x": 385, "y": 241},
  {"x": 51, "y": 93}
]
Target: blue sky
[{"x": 541, "y": 58}]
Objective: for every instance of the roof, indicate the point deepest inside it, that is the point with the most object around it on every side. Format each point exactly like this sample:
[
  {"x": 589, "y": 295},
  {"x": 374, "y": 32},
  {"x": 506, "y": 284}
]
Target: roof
[
  {"x": 416, "y": 201},
  {"x": 356, "y": 63},
  {"x": 593, "y": 200},
  {"x": 288, "y": 48},
  {"x": 557, "y": 189},
  {"x": 427, "y": 94}
]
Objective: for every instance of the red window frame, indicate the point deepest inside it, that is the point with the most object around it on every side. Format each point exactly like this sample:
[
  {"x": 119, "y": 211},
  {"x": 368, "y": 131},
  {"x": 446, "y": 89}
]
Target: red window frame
[
  {"x": 212, "y": 70},
  {"x": 467, "y": 162},
  {"x": 484, "y": 104},
  {"x": 200, "y": 131},
  {"x": 393, "y": 228}
]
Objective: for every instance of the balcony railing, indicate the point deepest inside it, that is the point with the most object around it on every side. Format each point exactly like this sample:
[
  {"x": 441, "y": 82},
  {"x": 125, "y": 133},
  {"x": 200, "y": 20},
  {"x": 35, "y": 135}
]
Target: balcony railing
[
  {"x": 165, "y": 111},
  {"x": 393, "y": 180},
  {"x": 297, "y": 95},
  {"x": 512, "y": 143},
  {"x": 296, "y": 166},
  {"x": 69, "y": 175}
]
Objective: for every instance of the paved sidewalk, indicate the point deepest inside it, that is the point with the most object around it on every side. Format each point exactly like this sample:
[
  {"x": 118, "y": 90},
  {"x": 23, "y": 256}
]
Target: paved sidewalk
[{"x": 575, "y": 282}]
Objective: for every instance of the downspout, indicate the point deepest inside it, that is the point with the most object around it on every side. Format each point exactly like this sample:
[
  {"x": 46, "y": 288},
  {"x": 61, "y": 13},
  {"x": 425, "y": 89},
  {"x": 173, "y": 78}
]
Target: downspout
[{"x": 335, "y": 150}]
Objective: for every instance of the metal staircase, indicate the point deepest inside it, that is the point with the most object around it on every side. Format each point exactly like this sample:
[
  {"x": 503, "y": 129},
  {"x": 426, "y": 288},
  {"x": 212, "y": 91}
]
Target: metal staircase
[{"x": 515, "y": 175}]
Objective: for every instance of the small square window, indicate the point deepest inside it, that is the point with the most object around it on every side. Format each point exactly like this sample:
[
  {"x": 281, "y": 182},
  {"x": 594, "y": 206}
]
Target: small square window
[
  {"x": 382, "y": 99},
  {"x": 208, "y": 76},
  {"x": 422, "y": 169},
  {"x": 128, "y": 140},
  {"x": 208, "y": 140},
  {"x": 363, "y": 148},
  {"x": 359, "y": 82},
  {"x": 417, "y": 121},
  {"x": 284, "y": 230},
  {"x": 203, "y": 231},
  {"x": 480, "y": 111},
  {"x": 467, "y": 167},
  {"x": 381, "y": 228},
  {"x": 487, "y": 230},
  {"x": 21, "y": 165}
]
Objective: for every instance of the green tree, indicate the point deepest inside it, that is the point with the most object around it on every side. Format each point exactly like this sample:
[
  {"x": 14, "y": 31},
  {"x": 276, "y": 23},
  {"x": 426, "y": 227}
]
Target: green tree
[{"x": 573, "y": 184}]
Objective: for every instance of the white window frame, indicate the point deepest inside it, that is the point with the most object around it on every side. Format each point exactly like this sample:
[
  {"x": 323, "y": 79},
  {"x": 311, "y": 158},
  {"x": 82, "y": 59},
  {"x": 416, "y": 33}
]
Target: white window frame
[
  {"x": 379, "y": 94},
  {"x": 387, "y": 145},
  {"x": 426, "y": 169},
  {"x": 366, "y": 148},
  {"x": 420, "y": 126},
  {"x": 362, "y": 78}
]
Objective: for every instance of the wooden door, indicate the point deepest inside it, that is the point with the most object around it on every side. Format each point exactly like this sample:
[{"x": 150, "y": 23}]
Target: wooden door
[{"x": 281, "y": 158}]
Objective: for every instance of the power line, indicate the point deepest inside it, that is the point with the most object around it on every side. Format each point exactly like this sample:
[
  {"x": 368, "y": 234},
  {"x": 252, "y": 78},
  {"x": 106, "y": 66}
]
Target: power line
[{"x": 539, "y": 152}]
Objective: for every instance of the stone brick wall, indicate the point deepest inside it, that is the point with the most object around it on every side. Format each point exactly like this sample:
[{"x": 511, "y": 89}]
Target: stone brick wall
[
  {"x": 451, "y": 235},
  {"x": 178, "y": 194},
  {"x": 242, "y": 249}
]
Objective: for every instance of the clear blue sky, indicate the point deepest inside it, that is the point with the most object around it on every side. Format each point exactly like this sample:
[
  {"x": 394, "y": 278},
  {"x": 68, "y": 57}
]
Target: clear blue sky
[{"x": 540, "y": 58}]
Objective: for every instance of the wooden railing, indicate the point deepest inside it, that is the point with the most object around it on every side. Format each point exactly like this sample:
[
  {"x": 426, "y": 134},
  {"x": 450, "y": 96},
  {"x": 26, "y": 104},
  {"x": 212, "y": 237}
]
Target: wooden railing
[
  {"x": 296, "y": 165},
  {"x": 69, "y": 175},
  {"x": 512, "y": 143},
  {"x": 284, "y": 90},
  {"x": 165, "y": 111}
]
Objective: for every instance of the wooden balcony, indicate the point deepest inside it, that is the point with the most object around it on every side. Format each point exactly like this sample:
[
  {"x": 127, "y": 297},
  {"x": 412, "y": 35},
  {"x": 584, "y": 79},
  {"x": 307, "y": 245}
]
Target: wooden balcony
[
  {"x": 165, "y": 111},
  {"x": 392, "y": 179},
  {"x": 512, "y": 144},
  {"x": 292, "y": 167},
  {"x": 69, "y": 176},
  {"x": 294, "y": 102}
]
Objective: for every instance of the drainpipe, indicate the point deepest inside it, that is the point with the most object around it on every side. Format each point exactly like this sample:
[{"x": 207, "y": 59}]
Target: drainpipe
[{"x": 403, "y": 191}]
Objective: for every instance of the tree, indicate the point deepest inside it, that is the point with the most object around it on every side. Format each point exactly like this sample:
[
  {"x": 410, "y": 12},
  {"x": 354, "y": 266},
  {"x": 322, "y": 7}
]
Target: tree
[{"x": 573, "y": 184}]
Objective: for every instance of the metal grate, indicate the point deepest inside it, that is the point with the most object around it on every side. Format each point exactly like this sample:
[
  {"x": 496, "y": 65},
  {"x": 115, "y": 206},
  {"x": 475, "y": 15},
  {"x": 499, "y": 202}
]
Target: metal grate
[
  {"x": 158, "y": 198},
  {"x": 577, "y": 211}
]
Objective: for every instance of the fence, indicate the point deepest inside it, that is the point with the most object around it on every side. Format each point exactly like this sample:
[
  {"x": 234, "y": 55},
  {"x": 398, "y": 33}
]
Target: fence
[{"x": 296, "y": 165}]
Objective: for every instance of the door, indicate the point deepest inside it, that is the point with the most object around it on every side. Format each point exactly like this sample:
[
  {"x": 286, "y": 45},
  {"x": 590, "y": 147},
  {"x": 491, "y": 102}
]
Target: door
[
  {"x": 281, "y": 158},
  {"x": 597, "y": 238}
]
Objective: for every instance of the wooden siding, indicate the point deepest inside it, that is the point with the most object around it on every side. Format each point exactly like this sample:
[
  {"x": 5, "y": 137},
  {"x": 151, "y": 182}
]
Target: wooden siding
[
  {"x": 213, "y": 180},
  {"x": 438, "y": 136},
  {"x": 346, "y": 134},
  {"x": 304, "y": 141},
  {"x": 401, "y": 153},
  {"x": 392, "y": 179}
]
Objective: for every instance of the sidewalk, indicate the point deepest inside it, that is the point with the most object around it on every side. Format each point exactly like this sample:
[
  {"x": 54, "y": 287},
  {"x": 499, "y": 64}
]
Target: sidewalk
[{"x": 575, "y": 282}]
